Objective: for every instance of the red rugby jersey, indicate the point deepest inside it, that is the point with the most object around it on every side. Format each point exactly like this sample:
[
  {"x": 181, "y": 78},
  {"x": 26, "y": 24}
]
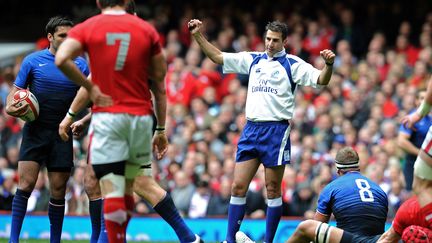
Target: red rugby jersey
[
  {"x": 120, "y": 47},
  {"x": 410, "y": 213}
]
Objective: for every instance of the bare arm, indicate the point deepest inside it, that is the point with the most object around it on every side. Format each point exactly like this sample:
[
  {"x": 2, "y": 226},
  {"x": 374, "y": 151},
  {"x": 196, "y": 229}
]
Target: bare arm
[
  {"x": 327, "y": 71},
  {"x": 209, "y": 50},
  {"x": 67, "y": 51},
  {"x": 405, "y": 144},
  {"x": 428, "y": 97},
  {"x": 80, "y": 101},
  {"x": 321, "y": 217},
  {"x": 157, "y": 75},
  {"x": 390, "y": 236}
]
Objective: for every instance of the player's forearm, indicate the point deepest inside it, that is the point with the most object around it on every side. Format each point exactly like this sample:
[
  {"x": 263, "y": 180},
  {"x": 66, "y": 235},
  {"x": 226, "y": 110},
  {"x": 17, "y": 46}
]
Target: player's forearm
[
  {"x": 87, "y": 118},
  {"x": 80, "y": 101},
  {"x": 9, "y": 99},
  {"x": 407, "y": 146},
  {"x": 209, "y": 50},
  {"x": 428, "y": 97},
  {"x": 426, "y": 104},
  {"x": 160, "y": 101},
  {"x": 325, "y": 75},
  {"x": 160, "y": 109},
  {"x": 390, "y": 236}
]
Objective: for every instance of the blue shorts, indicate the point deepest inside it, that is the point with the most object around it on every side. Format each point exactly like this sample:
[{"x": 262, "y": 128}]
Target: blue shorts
[
  {"x": 268, "y": 142},
  {"x": 348, "y": 237},
  {"x": 44, "y": 146}
]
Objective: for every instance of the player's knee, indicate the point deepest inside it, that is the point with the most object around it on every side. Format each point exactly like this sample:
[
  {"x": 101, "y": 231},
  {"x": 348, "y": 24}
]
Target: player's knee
[
  {"x": 305, "y": 225},
  {"x": 273, "y": 189},
  {"x": 113, "y": 185},
  {"x": 238, "y": 189},
  {"x": 57, "y": 190},
  {"x": 92, "y": 188},
  {"x": 27, "y": 186},
  {"x": 143, "y": 186}
]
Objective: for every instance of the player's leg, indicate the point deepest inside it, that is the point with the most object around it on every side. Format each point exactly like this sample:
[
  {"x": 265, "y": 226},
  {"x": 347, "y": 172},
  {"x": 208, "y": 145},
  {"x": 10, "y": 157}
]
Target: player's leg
[
  {"x": 92, "y": 189},
  {"x": 274, "y": 148},
  {"x": 109, "y": 150},
  {"x": 244, "y": 171},
  {"x": 273, "y": 180},
  {"x": 319, "y": 232},
  {"x": 146, "y": 187},
  {"x": 28, "y": 173},
  {"x": 56, "y": 207},
  {"x": 59, "y": 164},
  {"x": 31, "y": 156},
  {"x": 112, "y": 183}
]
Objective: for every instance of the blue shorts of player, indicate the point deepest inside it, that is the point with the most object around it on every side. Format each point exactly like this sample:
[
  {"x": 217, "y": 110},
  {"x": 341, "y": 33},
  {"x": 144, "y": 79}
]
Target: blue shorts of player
[
  {"x": 45, "y": 146},
  {"x": 267, "y": 141},
  {"x": 348, "y": 237}
]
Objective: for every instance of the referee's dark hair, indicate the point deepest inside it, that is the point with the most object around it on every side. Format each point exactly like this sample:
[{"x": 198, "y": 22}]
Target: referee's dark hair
[
  {"x": 57, "y": 21},
  {"x": 111, "y": 3},
  {"x": 277, "y": 26}
]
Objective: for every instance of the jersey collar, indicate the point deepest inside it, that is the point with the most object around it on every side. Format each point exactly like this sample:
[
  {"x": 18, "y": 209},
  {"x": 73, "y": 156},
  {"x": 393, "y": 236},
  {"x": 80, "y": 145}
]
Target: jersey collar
[
  {"x": 280, "y": 54},
  {"x": 114, "y": 12}
]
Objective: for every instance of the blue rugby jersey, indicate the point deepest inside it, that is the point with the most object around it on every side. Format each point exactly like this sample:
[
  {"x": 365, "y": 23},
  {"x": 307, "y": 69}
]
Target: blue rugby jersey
[
  {"x": 358, "y": 204},
  {"x": 272, "y": 82},
  {"x": 54, "y": 91},
  {"x": 417, "y": 134}
]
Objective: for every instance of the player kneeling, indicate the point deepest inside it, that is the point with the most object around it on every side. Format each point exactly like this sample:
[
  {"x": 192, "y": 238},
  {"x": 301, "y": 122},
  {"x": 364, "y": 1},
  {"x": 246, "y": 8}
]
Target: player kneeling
[{"x": 318, "y": 232}]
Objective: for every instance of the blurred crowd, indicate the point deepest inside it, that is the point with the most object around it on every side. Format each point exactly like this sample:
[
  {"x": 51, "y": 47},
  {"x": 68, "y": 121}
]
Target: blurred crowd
[{"x": 375, "y": 82}]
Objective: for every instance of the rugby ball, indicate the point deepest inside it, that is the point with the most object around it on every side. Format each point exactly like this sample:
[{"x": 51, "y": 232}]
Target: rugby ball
[{"x": 24, "y": 97}]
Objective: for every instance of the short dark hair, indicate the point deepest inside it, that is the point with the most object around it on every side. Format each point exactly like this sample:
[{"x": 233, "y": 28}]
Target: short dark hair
[
  {"x": 277, "y": 26},
  {"x": 111, "y": 3},
  {"x": 130, "y": 7},
  {"x": 57, "y": 21}
]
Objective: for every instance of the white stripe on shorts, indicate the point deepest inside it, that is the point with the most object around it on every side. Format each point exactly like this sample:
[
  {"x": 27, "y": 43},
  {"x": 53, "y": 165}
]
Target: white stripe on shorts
[{"x": 283, "y": 144}]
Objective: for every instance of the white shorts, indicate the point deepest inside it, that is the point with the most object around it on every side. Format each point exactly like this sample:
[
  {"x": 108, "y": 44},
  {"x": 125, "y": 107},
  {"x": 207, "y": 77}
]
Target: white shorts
[
  {"x": 116, "y": 137},
  {"x": 427, "y": 143}
]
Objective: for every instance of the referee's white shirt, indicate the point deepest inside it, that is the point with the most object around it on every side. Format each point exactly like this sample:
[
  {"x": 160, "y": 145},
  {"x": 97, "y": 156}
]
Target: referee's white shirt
[{"x": 272, "y": 82}]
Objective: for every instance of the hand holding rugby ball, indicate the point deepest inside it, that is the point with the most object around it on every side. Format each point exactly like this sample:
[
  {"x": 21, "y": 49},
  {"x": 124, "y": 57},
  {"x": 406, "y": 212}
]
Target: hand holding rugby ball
[{"x": 25, "y": 97}]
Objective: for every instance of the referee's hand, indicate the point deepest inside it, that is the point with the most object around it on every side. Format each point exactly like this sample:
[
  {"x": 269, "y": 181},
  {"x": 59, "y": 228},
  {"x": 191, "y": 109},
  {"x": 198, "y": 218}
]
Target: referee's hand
[{"x": 194, "y": 26}]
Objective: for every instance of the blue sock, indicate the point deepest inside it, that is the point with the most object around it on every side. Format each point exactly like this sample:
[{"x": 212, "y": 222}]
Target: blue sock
[
  {"x": 95, "y": 207},
  {"x": 19, "y": 208},
  {"x": 236, "y": 212},
  {"x": 56, "y": 210},
  {"x": 167, "y": 210},
  {"x": 274, "y": 213},
  {"x": 103, "y": 237}
]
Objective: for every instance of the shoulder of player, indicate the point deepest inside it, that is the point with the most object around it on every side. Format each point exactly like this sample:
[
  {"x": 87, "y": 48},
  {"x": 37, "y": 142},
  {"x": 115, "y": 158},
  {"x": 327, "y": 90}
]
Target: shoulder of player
[
  {"x": 294, "y": 59},
  {"x": 32, "y": 58}
]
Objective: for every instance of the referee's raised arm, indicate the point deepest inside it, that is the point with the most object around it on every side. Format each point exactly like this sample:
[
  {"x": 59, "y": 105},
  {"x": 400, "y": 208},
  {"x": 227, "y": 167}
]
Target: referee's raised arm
[{"x": 209, "y": 50}]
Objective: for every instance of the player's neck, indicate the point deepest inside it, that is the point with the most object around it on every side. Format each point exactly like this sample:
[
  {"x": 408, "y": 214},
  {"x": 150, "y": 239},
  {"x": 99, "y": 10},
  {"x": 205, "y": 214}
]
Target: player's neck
[
  {"x": 113, "y": 9},
  {"x": 52, "y": 50}
]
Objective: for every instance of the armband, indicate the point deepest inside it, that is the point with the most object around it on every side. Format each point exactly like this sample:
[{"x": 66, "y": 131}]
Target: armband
[
  {"x": 160, "y": 129},
  {"x": 423, "y": 109},
  {"x": 71, "y": 114}
]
